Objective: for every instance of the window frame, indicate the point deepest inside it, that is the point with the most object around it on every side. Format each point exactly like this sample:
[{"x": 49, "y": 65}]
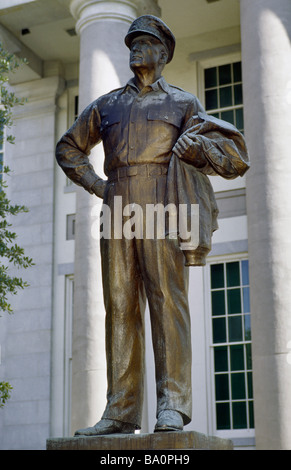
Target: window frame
[
  {"x": 70, "y": 226},
  {"x": 213, "y": 62},
  {"x": 243, "y": 436},
  {"x": 73, "y": 93},
  {"x": 245, "y": 433},
  {"x": 208, "y": 61}
]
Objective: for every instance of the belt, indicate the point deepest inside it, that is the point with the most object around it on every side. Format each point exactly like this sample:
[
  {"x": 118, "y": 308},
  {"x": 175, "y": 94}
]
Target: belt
[{"x": 145, "y": 170}]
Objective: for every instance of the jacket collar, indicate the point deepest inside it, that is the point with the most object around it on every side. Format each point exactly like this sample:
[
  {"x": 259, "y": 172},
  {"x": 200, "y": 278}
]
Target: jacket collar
[{"x": 156, "y": 86}]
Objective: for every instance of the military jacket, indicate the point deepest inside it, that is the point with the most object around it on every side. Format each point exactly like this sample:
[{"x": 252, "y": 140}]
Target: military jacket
[{"x": 136, "y": 127}]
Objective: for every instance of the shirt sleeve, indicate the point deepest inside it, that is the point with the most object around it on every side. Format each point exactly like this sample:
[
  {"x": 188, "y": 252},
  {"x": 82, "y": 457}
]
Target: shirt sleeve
[{"x": 73, "y": 149}]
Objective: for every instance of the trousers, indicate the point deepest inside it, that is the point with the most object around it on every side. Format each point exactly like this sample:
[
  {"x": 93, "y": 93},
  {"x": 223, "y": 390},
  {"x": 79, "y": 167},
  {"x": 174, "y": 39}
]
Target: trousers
[{"x": 135, "y": 270}]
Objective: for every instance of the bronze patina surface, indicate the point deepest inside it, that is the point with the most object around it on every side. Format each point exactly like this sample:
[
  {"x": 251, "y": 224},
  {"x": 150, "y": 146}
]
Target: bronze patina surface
[{"x": 159, "y": 146}]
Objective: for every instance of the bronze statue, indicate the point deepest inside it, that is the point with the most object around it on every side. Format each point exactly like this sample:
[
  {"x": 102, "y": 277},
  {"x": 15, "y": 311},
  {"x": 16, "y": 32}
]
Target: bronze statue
[{"x": 159, "y": 147}]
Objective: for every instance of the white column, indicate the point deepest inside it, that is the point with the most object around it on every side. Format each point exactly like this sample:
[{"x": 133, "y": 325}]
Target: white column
[
  {"x": 104, "y": 66},
  {"x": 266, "y": 56}
]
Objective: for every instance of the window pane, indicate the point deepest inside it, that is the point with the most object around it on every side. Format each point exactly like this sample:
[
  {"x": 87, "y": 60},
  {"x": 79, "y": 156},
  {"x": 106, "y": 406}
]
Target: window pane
[
  {"x": 232, "y": 274},
  {"x": 249, "y": 356},
  {"x": 217, "y": 276},
  {"x": 239, "y": 414},
  {"x": 237, "y": 357},
  {"x": 210, "y": 77},
  {"x": 237, "y": 75},
  {"x": 238, "y": 390},
  {"x": 224, "y": 72},
  {"x": 251, "y": 414},
  {"x": 246, "y": 299},
  {"x": 76, "y": 106},
  {"x": 228, "y": 116},
  {"x": 250, "y": 384},
  {"x": 245, "y": 272},
  {"x": 238, "y": 97},
  {"x": 247, "y": 324},
  {"x": 235, "y": 329},
  {"x": 222, "y": 416},
  {"x": 233, "y": 301},
  {"x": 239, "y": 119},
  {"x": 219, "y": 331},
  {"x": 218, "y": 302},
  {"x": 221, "y": 387},
  {"x": 220, "y": 359},
  {"x": 225, "y": 96},
  {"x": 211, "y": 100}
]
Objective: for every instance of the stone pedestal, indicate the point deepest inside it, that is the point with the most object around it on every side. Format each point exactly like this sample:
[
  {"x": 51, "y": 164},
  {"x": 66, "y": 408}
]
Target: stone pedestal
[{"x": 187, "y": 440}]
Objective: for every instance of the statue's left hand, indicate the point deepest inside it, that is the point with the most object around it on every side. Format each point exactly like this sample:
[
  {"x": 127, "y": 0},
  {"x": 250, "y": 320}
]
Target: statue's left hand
[{"x": 189, "y": 150}]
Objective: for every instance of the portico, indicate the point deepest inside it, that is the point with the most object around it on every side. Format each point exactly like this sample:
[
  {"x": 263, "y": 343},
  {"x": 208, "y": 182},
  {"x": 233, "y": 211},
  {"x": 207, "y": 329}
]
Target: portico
[{"x": 76, "y": 48}]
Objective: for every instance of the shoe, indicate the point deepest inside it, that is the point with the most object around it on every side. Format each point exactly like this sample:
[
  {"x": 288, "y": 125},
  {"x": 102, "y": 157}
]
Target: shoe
[
  {"x": 169, "y": 420},
  {"x": 107, "y": 426}
]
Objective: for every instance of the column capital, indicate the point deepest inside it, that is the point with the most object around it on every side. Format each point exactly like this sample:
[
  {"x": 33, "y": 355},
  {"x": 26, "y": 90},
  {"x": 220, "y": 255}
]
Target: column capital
[{"x": 88, "y": 11}]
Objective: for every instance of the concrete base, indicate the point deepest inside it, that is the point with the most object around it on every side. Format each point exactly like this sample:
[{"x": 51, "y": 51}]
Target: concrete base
[{"x": 186, "y": 440}]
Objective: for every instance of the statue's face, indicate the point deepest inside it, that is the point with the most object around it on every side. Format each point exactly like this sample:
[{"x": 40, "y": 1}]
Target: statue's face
[{"x": 146, "y": 51}]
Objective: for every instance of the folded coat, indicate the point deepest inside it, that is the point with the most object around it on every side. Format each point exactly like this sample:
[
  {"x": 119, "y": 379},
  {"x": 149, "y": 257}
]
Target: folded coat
[{"x": 214, "y": 147}]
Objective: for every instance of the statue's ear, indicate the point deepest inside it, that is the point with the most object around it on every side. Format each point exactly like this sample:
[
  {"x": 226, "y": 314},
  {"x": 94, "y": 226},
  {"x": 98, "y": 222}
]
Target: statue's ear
[{"x": 164, "y": 57}]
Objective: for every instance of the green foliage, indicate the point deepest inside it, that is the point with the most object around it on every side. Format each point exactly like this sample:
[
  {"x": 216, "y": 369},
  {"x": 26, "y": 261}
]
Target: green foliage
[
  {"x": 10, "y": 253},
  {"x": 5, "y": 388},
  {"x": 8, "y": 64},
  {"x": 9, "y": 249}
]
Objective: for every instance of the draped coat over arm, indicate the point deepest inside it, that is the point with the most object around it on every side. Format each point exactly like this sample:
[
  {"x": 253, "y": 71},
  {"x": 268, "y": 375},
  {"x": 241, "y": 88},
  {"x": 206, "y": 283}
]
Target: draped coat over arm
[{"x": 224, "y": 153}]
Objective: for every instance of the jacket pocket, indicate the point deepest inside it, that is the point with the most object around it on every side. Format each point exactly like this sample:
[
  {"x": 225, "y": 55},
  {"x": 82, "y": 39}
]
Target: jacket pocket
[
  {"x": 169, "y": 117},
  {"x": 163, "y": 129},
  {"x": 110, "y": 119}
]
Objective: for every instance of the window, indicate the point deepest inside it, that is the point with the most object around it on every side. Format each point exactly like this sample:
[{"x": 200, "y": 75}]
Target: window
[
  {"x": 70, "y": 226},
  {"x": 223, "y": 94},
  {"x": 231, "y": 345},
  {"x": 76, "y": 107}
]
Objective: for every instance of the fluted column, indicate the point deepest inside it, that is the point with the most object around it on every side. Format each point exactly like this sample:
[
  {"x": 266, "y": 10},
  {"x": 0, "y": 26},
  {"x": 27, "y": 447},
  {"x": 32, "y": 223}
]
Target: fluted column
[
  {"x": 266, "y": 57},
  {"x": 104, "y": 66}
]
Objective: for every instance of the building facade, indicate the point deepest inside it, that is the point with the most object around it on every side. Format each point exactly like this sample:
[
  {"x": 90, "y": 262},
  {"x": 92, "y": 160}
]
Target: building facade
[{"x": 235, "y": 56}]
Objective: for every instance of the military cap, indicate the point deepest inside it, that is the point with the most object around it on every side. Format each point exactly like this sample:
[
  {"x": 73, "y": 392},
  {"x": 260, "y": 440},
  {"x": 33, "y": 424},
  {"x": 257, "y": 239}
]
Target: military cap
[{"x": 149, "y": 24}]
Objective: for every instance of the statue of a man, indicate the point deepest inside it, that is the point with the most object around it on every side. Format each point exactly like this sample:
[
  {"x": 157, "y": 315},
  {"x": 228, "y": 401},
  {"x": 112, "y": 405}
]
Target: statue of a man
[{"x": 144, "y": 126}]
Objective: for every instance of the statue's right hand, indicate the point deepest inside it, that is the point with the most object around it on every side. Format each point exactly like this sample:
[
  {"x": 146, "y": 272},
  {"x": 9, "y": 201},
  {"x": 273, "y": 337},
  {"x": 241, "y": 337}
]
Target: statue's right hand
[{"x": 98, "y": 188}]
